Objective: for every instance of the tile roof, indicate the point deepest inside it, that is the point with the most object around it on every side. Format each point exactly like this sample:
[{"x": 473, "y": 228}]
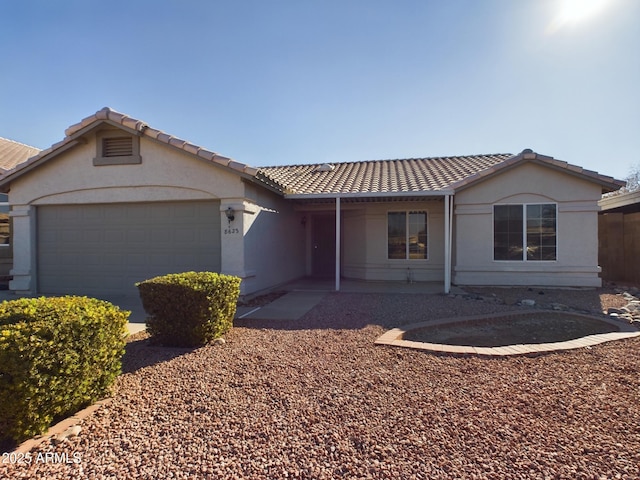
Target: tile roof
[
  {"x": 414, "y": 175},
  {"x": 14, "y": 153},
  {"x": 380, "y": 176},
  {"x": 608, "y": 183},
  {"x": 424, "y": 176}
]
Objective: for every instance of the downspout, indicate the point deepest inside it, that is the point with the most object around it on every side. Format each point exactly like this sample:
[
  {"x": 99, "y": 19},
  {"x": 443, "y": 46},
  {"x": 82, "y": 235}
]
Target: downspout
[
  {"x": 337, "y": 244},
  {"x": 447, "y": 244}
]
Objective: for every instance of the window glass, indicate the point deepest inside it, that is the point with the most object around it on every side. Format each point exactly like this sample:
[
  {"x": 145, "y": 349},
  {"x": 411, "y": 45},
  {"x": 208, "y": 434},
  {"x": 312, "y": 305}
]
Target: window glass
[
  {"x": 512, "y": 230},
  {"x": 418, "y": 235},
  {"x": 397, "y": 235},
  {"x": 407, "y": 235},
  {"x": 5, "y": 234},
  {"x": 507, "y": 232},
  {"x": 541, "y": 232}
]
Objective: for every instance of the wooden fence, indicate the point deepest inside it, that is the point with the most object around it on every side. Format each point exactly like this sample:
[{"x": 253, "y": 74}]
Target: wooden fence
[{"x": 619, "y": 246}]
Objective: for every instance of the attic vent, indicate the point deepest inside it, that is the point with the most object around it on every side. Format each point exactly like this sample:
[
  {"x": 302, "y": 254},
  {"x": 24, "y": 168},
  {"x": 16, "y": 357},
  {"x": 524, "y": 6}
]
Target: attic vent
[
  {"x": 117, "y": 146},
  {"x": 114, "y": 148},
  {"x": 325, "y": 167}
]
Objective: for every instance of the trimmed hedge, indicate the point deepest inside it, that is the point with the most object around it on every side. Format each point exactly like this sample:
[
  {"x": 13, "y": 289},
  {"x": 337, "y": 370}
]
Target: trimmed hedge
[
  {"x": 189, "y": 309},
  {"x": 57, "y": 355}
]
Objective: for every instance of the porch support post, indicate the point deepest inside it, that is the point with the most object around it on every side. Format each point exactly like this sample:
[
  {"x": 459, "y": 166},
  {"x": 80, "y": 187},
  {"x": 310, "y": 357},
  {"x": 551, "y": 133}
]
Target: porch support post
[
  {"x": 447, "y": 244},
  {"x": 337, "y": 244}
]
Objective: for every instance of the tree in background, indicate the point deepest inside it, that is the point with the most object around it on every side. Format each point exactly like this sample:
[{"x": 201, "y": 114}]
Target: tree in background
[{"x": 633, "y": 180}]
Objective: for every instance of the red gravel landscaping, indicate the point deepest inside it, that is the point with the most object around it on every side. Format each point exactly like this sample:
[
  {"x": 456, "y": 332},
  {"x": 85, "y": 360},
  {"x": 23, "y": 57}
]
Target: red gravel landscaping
[{"x": 317, "y": 399}]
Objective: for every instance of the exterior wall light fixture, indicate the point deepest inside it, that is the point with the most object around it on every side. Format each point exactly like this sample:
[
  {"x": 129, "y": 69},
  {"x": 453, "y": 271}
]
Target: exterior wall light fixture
[{"x": 231, "y": 214}]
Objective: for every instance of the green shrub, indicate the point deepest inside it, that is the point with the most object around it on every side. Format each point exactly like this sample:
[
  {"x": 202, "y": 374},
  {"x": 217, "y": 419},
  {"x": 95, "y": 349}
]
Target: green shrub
[
  {"x": 189, "y": 309},
  {"x": 57, "y": 355}
]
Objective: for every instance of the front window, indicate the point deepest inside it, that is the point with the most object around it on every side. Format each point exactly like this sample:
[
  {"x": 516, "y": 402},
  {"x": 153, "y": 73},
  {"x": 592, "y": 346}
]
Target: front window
[
  {"x": 525, "y": 232},
  {"x": 407, "y": 235},
  {"x": 5, "y": 234}
]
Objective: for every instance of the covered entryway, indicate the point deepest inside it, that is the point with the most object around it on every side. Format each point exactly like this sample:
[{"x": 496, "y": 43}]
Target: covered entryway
[{"x": 104, "y": 249}]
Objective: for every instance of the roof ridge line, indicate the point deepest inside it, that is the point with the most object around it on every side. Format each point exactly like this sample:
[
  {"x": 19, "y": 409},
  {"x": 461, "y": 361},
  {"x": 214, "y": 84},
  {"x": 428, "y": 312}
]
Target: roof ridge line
[
  {"x": 144, "y": 129},
  {"x": 389, "y": 160}
]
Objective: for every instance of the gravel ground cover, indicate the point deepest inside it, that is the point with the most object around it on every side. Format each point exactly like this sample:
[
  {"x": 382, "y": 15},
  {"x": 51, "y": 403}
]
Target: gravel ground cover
[{"x": 317, "y": 399}]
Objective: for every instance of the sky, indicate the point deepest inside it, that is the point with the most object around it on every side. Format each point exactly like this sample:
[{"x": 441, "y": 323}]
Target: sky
[{"x": 272, "y": 82}]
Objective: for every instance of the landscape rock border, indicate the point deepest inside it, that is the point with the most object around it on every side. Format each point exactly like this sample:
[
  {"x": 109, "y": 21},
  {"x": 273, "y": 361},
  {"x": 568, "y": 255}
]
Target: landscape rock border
[
  {"x": 631, "y": 311},
  {"x": 64, "y": 429}
]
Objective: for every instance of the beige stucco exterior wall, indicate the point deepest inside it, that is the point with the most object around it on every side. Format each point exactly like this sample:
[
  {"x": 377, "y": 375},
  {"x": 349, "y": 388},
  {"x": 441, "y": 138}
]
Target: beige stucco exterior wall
[
  {"x": 165, "y": 174},
  {"x": 364, "y": 243},
  {"x": 274, "y": 248},
  {"x": 577, "y": 229}
]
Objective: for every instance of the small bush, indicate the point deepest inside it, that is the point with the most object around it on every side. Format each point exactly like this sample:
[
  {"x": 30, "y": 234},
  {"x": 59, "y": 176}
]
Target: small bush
[
  {"x": 57, "y": 355},
  {"x": 189, "y": 309}
]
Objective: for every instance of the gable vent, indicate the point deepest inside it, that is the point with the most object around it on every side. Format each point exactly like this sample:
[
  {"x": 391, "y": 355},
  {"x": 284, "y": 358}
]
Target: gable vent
[{"x": 117, "y": 146}]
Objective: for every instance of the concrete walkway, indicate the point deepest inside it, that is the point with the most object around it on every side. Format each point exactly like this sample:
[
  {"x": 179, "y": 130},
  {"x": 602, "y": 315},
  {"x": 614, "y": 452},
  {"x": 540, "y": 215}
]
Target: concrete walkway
[
  {"x": 306, "y": 293},
  {"x": 290, "y": 306},
  {"x": 309, "y": 284}
]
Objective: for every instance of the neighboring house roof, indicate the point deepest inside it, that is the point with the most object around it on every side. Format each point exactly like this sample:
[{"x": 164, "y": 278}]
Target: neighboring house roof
[
  {"x": 13, "y": 153},
  {"x": 624, "y": 203},
  {"x": 415, "y": 176},
  {"x": 411, "y": 176}
]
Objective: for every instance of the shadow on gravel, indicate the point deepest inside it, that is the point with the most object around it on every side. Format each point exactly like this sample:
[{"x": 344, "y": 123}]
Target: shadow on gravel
[
  {"x": 355, "y": 311},
  {"x": 342, "y": 311},
  {"x": 140, "y": 354},
  {"x": 7, "y": 445}
]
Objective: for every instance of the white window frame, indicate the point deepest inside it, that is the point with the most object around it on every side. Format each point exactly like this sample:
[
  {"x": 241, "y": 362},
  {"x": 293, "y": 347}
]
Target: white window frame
[
  {"x": 524, "y": 231},
  {"x": 407, "y": 246}
]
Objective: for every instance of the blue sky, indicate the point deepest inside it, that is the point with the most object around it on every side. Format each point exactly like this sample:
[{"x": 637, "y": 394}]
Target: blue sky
[{"x": 300, "y": 81}]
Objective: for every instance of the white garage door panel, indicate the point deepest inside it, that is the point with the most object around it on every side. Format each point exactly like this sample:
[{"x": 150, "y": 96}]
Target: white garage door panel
[{"x": 106, "y": 249}]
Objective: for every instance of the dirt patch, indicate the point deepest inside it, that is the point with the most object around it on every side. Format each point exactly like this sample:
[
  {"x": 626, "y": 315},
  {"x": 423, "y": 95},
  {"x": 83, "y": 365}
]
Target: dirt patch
[
  {"x": 590, "y": 300},
  {"x": 542, "y": 327}
]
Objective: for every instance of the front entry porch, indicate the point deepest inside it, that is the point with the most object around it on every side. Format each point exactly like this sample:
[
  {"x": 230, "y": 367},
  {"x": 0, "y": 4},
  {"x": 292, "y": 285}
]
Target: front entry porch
[
  {"x": 395, "y": 239},
  {"x": 312, "y": 284}
]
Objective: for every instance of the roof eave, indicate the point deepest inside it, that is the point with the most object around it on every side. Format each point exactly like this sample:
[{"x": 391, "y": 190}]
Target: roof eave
[
  {"x": 73, "y": 138},
  {"x": 333, "y": 195},
  {"x": 35, "y": 162},
  {"x": 608, "y": 184},
  {"x": 620, "y": 201},
  {"x": 132, "y": 126}
]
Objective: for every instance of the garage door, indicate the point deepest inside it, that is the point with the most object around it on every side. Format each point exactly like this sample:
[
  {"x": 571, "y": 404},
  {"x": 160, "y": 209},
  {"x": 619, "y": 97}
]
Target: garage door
[{"x": 106, "y": 249}]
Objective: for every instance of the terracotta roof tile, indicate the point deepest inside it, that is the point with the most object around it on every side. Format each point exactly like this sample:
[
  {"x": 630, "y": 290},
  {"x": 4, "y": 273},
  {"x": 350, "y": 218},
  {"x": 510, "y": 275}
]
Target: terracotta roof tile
[
  {"x": 381, "y": 176},
  {"x": 410, "y": 175},
  {"x": 14, "y": 153},
  {"x": 401, "y": 176}
]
